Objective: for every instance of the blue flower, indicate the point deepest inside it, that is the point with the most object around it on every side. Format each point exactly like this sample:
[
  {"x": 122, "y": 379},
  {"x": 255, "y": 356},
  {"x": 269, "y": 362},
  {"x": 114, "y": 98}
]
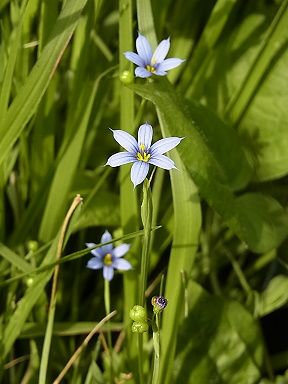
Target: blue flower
[
  {"x": 149, "y": 64},
  {"x": 108, "y": 258},
  {"x": 142, "y": 153}
]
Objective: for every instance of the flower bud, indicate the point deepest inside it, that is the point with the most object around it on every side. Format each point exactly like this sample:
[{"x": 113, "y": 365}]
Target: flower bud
[
  {"x": 32, "y": 245},
  {"x": 159, "y": 303},
  {"x": 138, "y": 314},
  {"x": 126, "y": 77},
  {"x": 139, "y": 327}
]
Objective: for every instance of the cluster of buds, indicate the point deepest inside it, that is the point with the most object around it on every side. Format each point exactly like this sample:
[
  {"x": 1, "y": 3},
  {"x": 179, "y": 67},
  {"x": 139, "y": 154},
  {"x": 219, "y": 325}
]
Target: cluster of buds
[{"x": 139, "y": 317}]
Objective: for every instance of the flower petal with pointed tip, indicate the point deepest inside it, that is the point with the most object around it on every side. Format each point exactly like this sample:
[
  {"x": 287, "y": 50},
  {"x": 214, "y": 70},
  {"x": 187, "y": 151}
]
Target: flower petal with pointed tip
[
  {"x": 169, "y": 64},
  {"x": 139, "y": 171},
  {"x": 145, "y": 133},
  {"x": 122, "y": 264},
  {"x": 121, "y": 250},
  {"x": 108, "y": 273},
  {"x": 136, "y": 59},
  {"x": 95, "y": 263},
  {"x": 121, "y": 158},
  {"x": 108, "y": 248},
  {"x": 142, "y": 72},
  {"x": 161, "y": 52},
  {"x": 143, "y": 48},
  {"x": 164, "y": 145},
  {"x": 126, "y": 140},
  {"x": 162, "y": 162}
]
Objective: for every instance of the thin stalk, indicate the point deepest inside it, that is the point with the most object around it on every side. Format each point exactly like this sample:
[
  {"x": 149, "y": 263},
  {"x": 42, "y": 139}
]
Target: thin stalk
[
  {"x": 146, "y": 215},
  {"x": 78, "y": 351},
  {"x": 156, "y": 346},
  {"x": 107, "y": 309}
]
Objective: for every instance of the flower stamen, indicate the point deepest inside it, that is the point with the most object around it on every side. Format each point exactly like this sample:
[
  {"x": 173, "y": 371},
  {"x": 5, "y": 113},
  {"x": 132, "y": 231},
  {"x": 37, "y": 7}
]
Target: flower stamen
[
  {"x": 151, "y": 68},
  {"x": 143, "y": 156},
  {"x": 108, "y": 259}
]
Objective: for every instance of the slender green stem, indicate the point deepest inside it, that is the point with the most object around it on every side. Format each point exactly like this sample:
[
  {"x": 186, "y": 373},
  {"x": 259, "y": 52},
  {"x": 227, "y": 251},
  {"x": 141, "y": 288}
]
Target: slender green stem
[
  {"x": 146, "y": 215},
  {"x": 109, "y": 338},
  {"x": 140, "y": 358},
  {"x": 156, "y": 345}
]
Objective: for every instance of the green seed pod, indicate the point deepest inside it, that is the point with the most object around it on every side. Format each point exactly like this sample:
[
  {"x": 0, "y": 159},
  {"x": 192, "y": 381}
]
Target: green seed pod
[
  {"x": 138, "y": 314},
  {"x": 139, "y": 327},
  {"x": 126, "y": 77}
]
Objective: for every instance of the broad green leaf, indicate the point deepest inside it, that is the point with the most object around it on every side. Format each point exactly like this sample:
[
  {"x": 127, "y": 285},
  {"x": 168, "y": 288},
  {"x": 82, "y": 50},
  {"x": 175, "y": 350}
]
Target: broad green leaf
[
  {"x": 28, "y": 98},
  {"x": 216, "y": 149},
  {"x": 186, "y": 232},
  {"x": 224, "y": 344},
  {"x": 263, "y": 220},
  {"x": 213, "y": 170},
  {"x": 274, "y": 296}
]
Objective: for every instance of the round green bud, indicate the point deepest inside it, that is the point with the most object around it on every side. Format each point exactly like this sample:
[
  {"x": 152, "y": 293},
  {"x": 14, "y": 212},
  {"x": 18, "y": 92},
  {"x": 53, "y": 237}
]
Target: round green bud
[
  {"x": 126, "y": 77},
  {"x": 139, "y": 327},
  {"x": 29, "y": 281},
  {"x": 138, "y": 313},
  {"x": 32, "y": 246}
]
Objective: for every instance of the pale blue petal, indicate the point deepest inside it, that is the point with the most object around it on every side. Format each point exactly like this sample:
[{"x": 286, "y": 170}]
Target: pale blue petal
[
  {"x": 136, "y": 59},
  {"x": 144, "y": 49},
  {"x": 120, "y": 158},
  {"x": 90, "y": 245},
  {"x": 162, "y": 162},
  {"x": 145, "y": 133},
  {"x": 121, "y": 250},
  {"x": 169, "y": 64},
  {"x": 122, "y": 264},
  {"x": 160, "y": 73},
  {"x": 139, "y": 171},
  {"x": 160, "y": 52},
  {"x": 108, "y": 272},
  {"x": 126, "y": 140},
  {"x": 104, "y": 239},
  {"x": 164, "y": 145},
  {"x": 95, "y": 252},
  {"x": 142, "y": 72},
  {"x": 95, "y": 263}
]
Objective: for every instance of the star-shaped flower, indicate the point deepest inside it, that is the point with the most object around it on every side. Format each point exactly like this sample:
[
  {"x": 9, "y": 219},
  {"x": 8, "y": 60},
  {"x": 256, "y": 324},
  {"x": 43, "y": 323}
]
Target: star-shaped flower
[
  {"x": 149, "y": 63},
  {"x": 108, "y": 258},
  {"x": 142, "y": 153}
]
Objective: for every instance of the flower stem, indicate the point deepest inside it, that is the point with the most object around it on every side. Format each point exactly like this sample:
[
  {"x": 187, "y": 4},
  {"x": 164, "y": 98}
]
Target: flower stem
[
  {"x": 156, "y": 346},
  {"x": 107, "y": 310},
  {"x": 146, "y": 215}
]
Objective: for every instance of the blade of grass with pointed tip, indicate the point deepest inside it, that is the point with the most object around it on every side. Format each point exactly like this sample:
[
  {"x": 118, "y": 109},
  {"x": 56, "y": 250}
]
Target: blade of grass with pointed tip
[{"x": 28, "y": 98}]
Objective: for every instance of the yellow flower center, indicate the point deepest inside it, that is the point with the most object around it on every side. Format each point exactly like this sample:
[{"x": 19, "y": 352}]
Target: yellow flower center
[
  {"x": 142, "y": 155},
  {"x": 150, "y": 68},
  {"x": 108, "y": 259}
]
